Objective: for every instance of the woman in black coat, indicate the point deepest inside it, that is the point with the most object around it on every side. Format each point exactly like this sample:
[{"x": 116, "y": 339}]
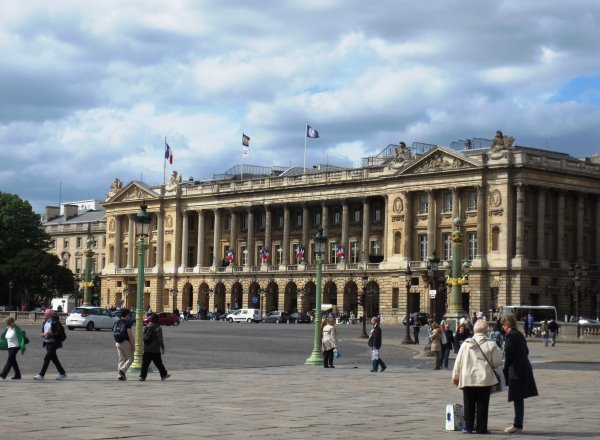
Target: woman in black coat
[{"x": 521, "y": 383}]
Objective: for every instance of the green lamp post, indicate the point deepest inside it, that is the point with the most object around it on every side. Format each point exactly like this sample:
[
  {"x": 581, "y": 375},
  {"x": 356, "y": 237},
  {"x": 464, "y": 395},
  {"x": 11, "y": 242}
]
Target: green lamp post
[
  {"x": 457, "y": 273},
  {"x": 142, "y": 226},
  {"x": 316, "y": 357},
  {"x": 87, "y": 283}
]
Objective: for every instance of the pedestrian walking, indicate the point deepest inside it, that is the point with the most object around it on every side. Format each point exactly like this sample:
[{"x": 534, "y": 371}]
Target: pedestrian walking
[
  {"x": 521, "y": 383},
  {"x": 530, "y": 323},
  {"x": 448, "y": 346},
  {"x": 473, "y": 373},
  {"x": 53, "y": 335},
  {"x": 154, "y": 348},
  {"x": 545, "y": 335},
  {"x": 124, "y": 342},
  {"x": 13, "y": 338},
  {"x": 328, "y": 341},
  {"x": 436, "y": 344},
  {"x": 459, "y": 337},
  {"x": 552, "y": 331},
  {"x": 416, "y": 329},
  {"x": 375, "y": 344}
]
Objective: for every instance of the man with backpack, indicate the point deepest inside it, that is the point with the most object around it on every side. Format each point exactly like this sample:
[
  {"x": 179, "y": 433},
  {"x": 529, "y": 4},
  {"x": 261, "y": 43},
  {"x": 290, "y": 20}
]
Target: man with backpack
[
  {"x": 154, "y": 348},
  {"x": 53, "y": 335},
  {"x": 124, "y": 342}
]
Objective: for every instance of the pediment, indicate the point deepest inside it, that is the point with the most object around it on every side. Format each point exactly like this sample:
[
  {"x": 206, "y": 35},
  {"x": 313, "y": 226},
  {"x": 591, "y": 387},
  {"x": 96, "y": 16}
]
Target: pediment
[
  {"x": 134, "y": 191},
  {"x": 440, "y": 159}
]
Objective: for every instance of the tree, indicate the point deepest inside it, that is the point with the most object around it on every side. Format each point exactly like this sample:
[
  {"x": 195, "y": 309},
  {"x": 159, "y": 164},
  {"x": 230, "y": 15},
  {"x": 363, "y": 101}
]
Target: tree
[{"x": 24, "y": 259}]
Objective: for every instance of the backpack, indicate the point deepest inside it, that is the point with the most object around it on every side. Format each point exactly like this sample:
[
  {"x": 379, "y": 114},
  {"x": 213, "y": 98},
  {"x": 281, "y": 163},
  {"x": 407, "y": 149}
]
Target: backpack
[
  {"x": 60, "y": 331},
  {"x": 120, "y": 331},
  {"x": 148, "y": 335}
]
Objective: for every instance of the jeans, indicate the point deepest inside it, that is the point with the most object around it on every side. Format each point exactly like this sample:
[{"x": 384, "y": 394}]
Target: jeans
[
  {"x": 416, "y": 334},
  {"x": 553, "y": 338},
  {"x": 519, "y": 413},
  {"x": 11, "y": 362},
  {"x": 51, "y": 357},
  {"x": 446, "y": 354}
]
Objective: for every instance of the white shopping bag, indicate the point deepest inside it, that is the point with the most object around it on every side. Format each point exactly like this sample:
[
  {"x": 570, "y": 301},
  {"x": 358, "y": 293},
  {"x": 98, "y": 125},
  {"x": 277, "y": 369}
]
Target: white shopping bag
[{"x": 455, "y": 419}]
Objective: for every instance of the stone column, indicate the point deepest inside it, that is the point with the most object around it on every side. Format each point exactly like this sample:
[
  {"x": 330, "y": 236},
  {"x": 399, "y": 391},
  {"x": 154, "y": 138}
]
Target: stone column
[
  {"x": 305, "y": 228},
  {"x": 598, "y": 230},
  {"x": 250, "y": 240},
  {"x": 580, "y": 213},
  {"x": 560, "y": 227},
  {"x": 118, "y": 240},
  {"x": 233, "y": 228},
  {"x": 184, "y": 239},
  {"x": 285, "y": 254},
  {"x": 217, "y": 239},
  {"x": 201, "y": 238},
  {"x": 455, "y": 203},
  {"x": 430, "y": 223},
  {"x": 481, "y": 224},
  {"x": 268, "y": 231},
  {"x": 345, "y": 221},
  {"x": 366, "y": 222},
  {"x": 160, "y": 240},
  {"x": 407, "y": 225},
  {"x": 541, "y": 221},
  {"x": 520, "y": 228},
  {"x": 130, "y": 241},
  {"x": 324, "y": 218}
]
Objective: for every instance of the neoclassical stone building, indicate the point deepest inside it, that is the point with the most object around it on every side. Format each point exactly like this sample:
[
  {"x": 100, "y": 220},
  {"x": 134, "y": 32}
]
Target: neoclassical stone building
[{"x": 233, "y": 241}]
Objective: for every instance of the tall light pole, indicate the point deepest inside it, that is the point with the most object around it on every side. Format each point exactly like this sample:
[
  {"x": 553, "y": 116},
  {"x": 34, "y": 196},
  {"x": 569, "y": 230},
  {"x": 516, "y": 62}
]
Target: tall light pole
[
  {"x": 174, "y": 293},
  {"x": 316, "y": 357},
  {"x": 87, "y": 281},
  {"x": 11, "y": 284},
  {"x": 433, "y": 264},
  {"x": 408, "y": 280},
  {"x": 362, "y": 301},
  {"x": 142, "y": 226},
  {"x": 457, "y": 273},
  {"x": 577, "y": 272}
]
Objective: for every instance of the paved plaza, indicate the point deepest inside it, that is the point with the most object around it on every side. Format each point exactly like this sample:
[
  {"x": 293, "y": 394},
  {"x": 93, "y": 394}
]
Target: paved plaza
[{"x": 294, "y": 402}]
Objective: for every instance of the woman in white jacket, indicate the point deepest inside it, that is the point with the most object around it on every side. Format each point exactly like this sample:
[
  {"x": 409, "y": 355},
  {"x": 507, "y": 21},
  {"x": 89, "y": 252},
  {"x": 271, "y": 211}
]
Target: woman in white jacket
[{"x": 473, "y": 373}]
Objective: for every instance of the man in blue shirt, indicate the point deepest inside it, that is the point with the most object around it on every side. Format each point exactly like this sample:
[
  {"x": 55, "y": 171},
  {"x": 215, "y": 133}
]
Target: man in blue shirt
[
  {"x": 530, "y": 321},
  {"x": 51, "y": 331}
]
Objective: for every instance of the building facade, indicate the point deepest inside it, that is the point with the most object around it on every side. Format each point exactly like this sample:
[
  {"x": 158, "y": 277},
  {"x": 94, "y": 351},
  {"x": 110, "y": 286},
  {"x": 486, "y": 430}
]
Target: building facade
[{"x": 248, "y": 242}]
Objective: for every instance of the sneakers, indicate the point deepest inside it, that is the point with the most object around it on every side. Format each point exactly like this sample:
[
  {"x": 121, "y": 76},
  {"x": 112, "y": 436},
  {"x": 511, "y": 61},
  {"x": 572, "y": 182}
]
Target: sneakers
[
  {"x": 16, "y": 378},
  {"x": 38, "y": 377},
  {"x": 141, "y": 379},
  {"x": 383, "y": 368},
  {"x": 122, "y": 375},
  {"x": 512, "y": 429},
  {"x": 165, "y": 377},
  {"x": 61, "y": 377},
  {"x": 2, "y": 378}
]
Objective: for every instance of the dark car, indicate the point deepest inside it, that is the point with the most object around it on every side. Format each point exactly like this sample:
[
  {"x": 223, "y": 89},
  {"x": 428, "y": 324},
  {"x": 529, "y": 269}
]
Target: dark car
[
  {"x": 277, "y": 317},
  {"x": 164, "y": 318},
  {"x": 421, "y": 316},
  {"x": 300, "y": 318}
]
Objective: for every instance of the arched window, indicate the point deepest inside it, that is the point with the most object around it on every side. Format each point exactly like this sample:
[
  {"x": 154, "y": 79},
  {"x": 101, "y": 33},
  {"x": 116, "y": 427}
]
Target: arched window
[
  {"x": 397, "y": 241},
  {"x": 495, "y": 238}
]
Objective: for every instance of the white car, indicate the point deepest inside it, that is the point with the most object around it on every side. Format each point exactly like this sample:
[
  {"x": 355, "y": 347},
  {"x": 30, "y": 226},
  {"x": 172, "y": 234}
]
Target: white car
[{"x": 91, "y": 318}]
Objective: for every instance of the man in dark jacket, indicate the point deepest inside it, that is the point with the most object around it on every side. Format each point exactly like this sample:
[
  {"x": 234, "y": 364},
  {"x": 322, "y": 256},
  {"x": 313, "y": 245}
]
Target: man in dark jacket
[
  {"x": 154, "y": 348},
  {"x": 52, "y": 336},
  {"x": 375, "y": 344}
]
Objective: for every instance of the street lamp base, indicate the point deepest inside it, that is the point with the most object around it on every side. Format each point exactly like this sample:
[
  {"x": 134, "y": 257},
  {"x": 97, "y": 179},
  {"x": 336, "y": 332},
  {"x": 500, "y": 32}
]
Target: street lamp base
[
  {"x": 316, "y": 358},
  {"x": 407, "y": 340}
]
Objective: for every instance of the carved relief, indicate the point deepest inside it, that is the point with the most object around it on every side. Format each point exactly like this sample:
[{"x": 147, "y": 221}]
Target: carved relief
[
  {"x": 439, "y": 162},
  {"x": 134, "y": 194},
  {"x": 397, "y": 218},
  {"x": 398, "y": 205},
  {"x": 495, "y": 198},
  {"x": 111, "y": 225},
  {"x": 169, "y": 222}
]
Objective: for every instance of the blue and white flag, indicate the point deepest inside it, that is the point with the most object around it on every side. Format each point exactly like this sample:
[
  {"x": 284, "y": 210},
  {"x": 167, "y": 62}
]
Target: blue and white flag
[{"x": 311, "y": 132}]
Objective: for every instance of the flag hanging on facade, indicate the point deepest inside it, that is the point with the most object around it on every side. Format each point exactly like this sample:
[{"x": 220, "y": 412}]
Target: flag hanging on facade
[
  {"x": 168, "y": 153},
  {"x": 300, "y": 253},
  {"x": 264, "y": 255},
  {"x": 230, "y": 255},
  {"x": 311, "y": 132},
  {"x": 341, "y": 252},
  {"x": 245, "y": 145}
]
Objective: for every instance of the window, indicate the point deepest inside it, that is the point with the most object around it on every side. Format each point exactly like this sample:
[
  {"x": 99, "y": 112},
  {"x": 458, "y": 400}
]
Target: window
[
  {"x": 279, "y": 220},
  {"x": 356, "y": 214},
  {"x": 298, "y": 217},
  {"x": 354, "y": 251},
  {"x": 447, "y": 202},
  {"x": 53, "y": 244},
  {"x": 78, "y": 242},
  {"x": 191, "y": 255},
  {"x": 535, "y": 281},
  {"x": 78, "y": 265},
  {"x": 317, "y": 216},
  {"x": 126, "y": 254},
  {"x": 376, "y": 214},
  {"x": 333, "y": 248},
  {"x": 423, "y": 204},
  {"x": 423, "y": 247},
  {"x": 472, "y": 201},
  {"x": 154, "y": 254},
  {"x": 472, "y": 245},
  {"x": 211, "y": 255},
  {"x": 261, "y": 220},
  {"x": 375, "y": 247},
  {"x": 190, "y": 222},
  {"x": 395, "y": 295},
  {"x": 278, "y": 254},
  {"x": 337, "y": 216},
  {"x": 447, "y": 240},
  {"x": 227, "y": 223},
  {"x": 244, "y": 254},
  {"x": 244, "y": 222},
  {"x": 66, "y": 243}
]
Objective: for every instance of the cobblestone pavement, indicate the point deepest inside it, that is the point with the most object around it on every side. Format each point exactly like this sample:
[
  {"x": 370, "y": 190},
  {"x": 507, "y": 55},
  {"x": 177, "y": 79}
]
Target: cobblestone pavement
[{"x": 292, "y": 402}]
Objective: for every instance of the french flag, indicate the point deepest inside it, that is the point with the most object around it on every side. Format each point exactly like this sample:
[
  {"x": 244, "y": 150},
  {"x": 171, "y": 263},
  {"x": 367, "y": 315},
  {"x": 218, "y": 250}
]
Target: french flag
[{"x": 168, "y": 153}]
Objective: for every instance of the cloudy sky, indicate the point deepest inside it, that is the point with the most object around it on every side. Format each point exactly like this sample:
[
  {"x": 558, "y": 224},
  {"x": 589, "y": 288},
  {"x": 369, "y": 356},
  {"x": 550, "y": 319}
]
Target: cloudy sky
[{"x": 90, "y": 89}]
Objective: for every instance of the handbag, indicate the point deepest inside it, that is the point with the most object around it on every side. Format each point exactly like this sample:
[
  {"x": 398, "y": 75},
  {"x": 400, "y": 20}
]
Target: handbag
[
  {"x": 337, "y": 353},
  {"x": 498, "y": 372}
]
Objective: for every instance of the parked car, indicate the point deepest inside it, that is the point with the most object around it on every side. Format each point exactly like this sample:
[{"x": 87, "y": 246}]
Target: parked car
[
  {"x": 164, "y": 318},
  {"x": 277, "y": 317},
  {"x": 421, "y": 316},
  {"x": 300, "y": 318},
  {"x": 588, "y": 321},
  {"x": 91, "y": 318},
  {"x": 244, "y": 315}
]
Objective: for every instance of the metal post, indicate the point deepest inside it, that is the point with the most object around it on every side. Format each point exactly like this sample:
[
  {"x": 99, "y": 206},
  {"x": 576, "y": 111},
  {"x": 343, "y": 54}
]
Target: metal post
[
  {"x": 408, "y": 279},
  {"x": 316, "y": 357},
  {"x": 87, "y": 283},
  {"x": 11, "y": 284}
]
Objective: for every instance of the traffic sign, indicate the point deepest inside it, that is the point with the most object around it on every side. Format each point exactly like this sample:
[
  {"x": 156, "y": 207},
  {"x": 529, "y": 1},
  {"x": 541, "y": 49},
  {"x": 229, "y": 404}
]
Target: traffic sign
[
  {"x": 255, "y": 300},
  {"x": 432, "y": 293}
]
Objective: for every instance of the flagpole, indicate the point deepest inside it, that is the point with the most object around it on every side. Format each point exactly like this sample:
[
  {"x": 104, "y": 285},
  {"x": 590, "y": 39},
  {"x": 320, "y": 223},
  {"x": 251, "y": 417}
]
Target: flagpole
[
  {"x": 165, "y": 163},
  {"x": 305, "y": 133}
]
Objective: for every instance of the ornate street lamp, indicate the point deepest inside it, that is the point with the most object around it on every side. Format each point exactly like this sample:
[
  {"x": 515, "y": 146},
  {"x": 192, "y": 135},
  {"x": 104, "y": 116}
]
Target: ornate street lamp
[
  {"x": 457, "y": 274},
  {"x": 433, "y": 265},
  {"x": 408, "y": 280},
  {"x": 87, "y": 282},
  {"x": 142, "y": 226},
  {"x": 316, "y": 357},
  {"x": 174, "y": 293},
  {"x": 577, "y": 273},
  {"x": 263, "y": 294},
  {"x": 11, "y": 284}
]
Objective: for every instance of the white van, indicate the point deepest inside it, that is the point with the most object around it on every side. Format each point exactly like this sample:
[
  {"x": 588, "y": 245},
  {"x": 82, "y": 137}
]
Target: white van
[{"x": 245, "y": 315}]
